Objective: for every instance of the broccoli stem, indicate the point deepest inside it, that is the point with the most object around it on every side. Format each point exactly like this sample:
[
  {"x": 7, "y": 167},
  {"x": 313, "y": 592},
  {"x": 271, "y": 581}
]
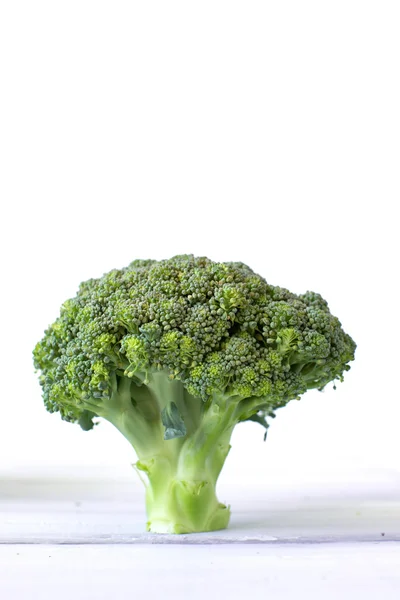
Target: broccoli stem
[
  {"x": 181, "y": 489},
  {"x": 181, "y": 473},
  {"x": 181, "y": 496}
]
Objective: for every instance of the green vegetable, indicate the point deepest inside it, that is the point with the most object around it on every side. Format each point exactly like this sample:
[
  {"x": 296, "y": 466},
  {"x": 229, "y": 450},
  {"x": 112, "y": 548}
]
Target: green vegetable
[{"x": 174, "y": 354}]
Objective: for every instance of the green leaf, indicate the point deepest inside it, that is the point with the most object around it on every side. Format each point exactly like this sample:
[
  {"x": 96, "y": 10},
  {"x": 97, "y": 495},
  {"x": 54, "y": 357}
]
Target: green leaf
[
  {"x": 261, "y": 418},
  {"x": 85, "y": 420},
  {"x": 173, "y": 422}
]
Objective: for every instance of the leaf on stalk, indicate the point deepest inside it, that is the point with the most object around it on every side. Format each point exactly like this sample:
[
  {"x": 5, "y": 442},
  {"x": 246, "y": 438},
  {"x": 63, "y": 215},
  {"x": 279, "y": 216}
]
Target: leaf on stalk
[{"x": 173, "y": 422}]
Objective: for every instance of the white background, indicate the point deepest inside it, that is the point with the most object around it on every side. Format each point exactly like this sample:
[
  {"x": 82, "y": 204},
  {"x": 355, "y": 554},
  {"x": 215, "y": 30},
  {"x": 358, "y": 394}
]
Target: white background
[{"x": 265, "y": 132}]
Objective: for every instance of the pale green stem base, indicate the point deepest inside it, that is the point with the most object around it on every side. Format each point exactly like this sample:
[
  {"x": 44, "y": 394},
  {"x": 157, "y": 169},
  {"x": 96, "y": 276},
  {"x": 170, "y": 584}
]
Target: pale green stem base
[{"x": 177, "y": 503}]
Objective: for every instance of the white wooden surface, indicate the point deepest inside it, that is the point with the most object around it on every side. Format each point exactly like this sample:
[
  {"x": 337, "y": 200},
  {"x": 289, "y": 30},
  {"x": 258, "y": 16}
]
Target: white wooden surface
[
  {"x": 89, "y": 510},
  {"x": 84, "y": 538},
  {"x": 313, "y": 571}
]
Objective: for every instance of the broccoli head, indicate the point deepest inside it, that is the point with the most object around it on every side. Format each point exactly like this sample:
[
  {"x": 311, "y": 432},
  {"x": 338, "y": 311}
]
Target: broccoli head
[{"x": 174, "y": 354}]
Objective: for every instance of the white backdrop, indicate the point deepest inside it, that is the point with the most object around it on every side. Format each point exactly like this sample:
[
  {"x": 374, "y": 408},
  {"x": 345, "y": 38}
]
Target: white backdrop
[{"x": 265, "y": 132}]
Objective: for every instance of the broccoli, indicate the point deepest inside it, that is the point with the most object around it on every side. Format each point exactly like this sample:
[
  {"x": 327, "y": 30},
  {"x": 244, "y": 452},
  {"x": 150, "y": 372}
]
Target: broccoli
[{"x": 174, "y": 353}]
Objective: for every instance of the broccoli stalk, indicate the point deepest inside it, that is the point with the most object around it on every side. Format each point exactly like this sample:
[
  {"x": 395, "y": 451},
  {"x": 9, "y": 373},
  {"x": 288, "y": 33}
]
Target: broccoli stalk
[
  {"x": 181, "y": 443},
  {"x": 175, "y": 354}
]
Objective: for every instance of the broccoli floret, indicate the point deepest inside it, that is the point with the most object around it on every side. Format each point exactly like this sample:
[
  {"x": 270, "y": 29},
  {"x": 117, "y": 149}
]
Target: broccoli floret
[{"x": 174, "y": 354}]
